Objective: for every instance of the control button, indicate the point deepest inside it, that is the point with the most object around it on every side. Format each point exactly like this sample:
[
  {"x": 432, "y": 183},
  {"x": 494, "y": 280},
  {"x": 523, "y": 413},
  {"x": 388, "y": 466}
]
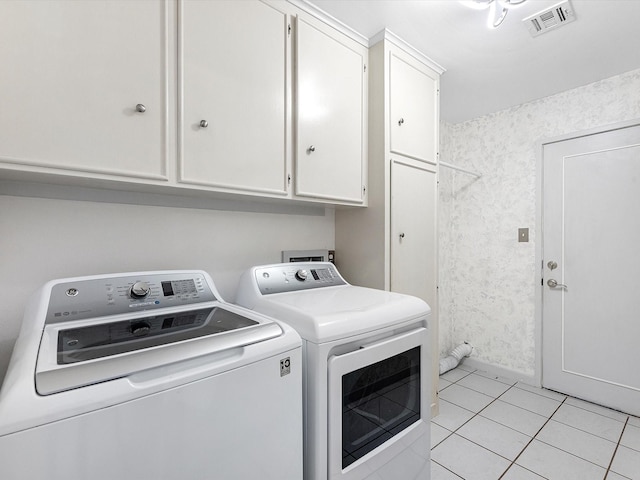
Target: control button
[
  {"x": 139, "y": 290},
  {"x": 140, "y": 329},
  {"x": 301, "y": 275}
]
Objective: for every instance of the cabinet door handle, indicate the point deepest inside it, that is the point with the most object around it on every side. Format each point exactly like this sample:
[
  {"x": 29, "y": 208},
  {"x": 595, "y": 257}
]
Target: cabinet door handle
[
  {"x": 401, "y": 121},
  {"x": 311, "y": 149},
  {"x": 141, "y": 108},
  {"x": 204, "y": 124}
]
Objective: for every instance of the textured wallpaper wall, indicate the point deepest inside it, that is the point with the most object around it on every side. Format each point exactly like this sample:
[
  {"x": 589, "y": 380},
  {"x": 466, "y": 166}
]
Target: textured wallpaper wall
[{"x": 487, "y": 278}]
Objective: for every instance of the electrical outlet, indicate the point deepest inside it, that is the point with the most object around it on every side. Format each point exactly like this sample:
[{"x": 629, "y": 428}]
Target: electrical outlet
[{"x": 523, "y": 235}]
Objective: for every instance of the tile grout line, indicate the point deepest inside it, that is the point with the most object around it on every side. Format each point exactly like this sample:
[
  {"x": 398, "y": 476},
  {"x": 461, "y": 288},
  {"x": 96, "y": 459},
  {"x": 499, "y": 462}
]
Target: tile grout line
[
  {"x": 531, "y": 441},
  {"x": 615, "y": 450},
  {"x": 475, "y": 414},
  {"x": 452, "y": 472},
  {"x": 514, "y": 385},
  {"x": 487, "y": 406},
  {"x": 453, "y": 431},
  {"x": 587, "y": 431},
  {"x": 571, "y": 426}
]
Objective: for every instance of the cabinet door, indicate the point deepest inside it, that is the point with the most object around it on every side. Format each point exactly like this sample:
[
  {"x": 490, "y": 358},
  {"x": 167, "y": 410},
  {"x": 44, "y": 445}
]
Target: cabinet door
[
  {"x": 413, "y": 230},
  {"x": 73, "y": 74},
  {"x": 330, "y": 116},
  {"x": 414, "y": 254},
  {"x": 413, "y": 113},
  {"x": 233, "y": 64}
]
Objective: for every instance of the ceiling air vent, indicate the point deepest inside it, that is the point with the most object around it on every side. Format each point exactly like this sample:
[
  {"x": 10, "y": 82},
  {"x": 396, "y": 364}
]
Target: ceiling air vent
[{"x": 550, "y": 18}]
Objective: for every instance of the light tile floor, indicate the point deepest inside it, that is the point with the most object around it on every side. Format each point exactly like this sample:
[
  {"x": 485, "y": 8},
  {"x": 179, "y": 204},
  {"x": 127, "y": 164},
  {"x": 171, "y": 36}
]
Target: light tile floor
[{"x": 492, "y": 428}]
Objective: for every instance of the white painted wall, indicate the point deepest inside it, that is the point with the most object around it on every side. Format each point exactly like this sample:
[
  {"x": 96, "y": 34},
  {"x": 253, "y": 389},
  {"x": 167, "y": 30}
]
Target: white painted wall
[
  {"x": 43, "y": 239},
  {"x": 487, "y": 278}
]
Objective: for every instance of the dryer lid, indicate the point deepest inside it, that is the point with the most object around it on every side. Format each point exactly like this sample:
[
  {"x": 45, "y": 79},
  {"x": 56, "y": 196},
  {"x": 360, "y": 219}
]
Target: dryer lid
[{"x": 333, "y": 313}]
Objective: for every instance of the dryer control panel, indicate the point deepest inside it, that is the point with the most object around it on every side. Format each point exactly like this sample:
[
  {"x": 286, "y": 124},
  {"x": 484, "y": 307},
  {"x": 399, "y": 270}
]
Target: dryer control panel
[
  {"x": 99, "y": 297},
  {"x": 291, "y": 277}
]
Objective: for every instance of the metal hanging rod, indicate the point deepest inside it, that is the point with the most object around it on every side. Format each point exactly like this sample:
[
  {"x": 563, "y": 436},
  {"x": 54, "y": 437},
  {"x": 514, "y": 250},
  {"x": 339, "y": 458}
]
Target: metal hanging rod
[{"x": 460, "y": 169}]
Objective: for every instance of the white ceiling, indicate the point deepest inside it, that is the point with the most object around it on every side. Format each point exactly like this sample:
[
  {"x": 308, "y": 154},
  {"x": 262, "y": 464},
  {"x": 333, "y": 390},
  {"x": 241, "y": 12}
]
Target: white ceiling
[{"x": 490, "y": 70}]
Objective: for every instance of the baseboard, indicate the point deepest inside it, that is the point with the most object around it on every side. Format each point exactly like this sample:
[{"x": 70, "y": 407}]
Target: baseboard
[{"x": 500, "y": 371}]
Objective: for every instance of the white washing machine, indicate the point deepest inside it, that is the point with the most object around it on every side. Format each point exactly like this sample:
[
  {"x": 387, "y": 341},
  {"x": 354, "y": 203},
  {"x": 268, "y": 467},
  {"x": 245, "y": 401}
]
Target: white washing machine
[
  {"x": 150, "y": 376},
  {"x": 366, "y": 373}
]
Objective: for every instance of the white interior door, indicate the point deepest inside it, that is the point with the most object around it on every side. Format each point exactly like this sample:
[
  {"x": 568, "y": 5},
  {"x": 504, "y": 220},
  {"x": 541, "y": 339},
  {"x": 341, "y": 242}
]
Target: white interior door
[{"x": 591, "y": 225}]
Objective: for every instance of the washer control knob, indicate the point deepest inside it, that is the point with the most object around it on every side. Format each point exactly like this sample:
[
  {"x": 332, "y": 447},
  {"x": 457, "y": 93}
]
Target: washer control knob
[
  {"x": 139, "y": 290},
  {"x": 140, "y": 329},
  {"x": 301, "y": 275}
]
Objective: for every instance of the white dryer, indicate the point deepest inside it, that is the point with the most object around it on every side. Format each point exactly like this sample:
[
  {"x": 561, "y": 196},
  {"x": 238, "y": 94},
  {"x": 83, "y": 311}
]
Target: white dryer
[
  {"x": 150, "y": 376},
  {"x": 366, "y": 373}
]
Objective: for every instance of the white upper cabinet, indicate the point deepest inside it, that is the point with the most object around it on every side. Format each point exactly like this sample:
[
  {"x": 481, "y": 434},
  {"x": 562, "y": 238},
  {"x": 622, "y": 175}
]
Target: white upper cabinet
[
  {"x": 331, "y": 111},
  {"x": 413, "y": 97},
  {"x": 196, "y": 95},
  {"x": 233, "y": 96},
  {"x": 83, "y": 88}
]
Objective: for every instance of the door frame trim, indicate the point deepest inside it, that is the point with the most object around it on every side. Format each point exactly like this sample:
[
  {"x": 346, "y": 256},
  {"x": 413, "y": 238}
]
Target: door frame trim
[{"x": 539, "y": 247}]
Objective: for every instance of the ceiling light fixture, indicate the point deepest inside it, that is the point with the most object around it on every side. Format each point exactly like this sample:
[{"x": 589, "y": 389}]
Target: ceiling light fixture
[{"x": 498, "y": 9}]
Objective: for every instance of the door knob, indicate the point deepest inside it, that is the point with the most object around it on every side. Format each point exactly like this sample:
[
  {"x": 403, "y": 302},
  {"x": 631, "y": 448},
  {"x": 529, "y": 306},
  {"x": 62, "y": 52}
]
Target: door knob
[
  {"x": 552, "y": 265},
  {"x": 140, "y": 108},
  {"x": 554, "y": 283},
  {"x": 204, "y": 124}
]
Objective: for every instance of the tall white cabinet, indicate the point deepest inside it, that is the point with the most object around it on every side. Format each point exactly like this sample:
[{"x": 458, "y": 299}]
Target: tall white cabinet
[{"x": 392, "y": 244}]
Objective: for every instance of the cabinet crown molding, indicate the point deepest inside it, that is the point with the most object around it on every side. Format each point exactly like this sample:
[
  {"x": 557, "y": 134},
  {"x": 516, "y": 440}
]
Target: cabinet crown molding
[
  {"x": 388, "y": 35},
  {"x": 333, "y": 22}
]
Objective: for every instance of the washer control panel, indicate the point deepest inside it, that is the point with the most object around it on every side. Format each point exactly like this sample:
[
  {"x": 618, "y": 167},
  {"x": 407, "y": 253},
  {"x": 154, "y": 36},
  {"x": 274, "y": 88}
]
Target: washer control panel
[
  {"x": 89, "y": 298},
  {"x": 291, "y": 277}
]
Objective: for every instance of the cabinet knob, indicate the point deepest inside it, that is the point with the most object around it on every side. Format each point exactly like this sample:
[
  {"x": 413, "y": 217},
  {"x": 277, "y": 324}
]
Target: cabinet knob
[
  {"x": 402, "y": 235},
  {"x": 141, "y": 108},
  {"x": 401, "y": 121},
  {"x": 311, "y": 149},
  {"x": 204, "y": 124}
]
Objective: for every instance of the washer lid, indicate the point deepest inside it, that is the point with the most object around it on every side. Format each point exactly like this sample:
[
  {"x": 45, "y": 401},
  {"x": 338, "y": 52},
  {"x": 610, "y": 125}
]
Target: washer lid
[
  {"x": 75, "y": 354},
  {"x": 331, "y": 313}
]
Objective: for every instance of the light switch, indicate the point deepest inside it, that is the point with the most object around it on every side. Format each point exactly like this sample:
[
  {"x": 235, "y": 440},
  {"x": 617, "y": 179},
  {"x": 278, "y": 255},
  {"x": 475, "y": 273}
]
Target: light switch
[{"x": 523, "y": 234}]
